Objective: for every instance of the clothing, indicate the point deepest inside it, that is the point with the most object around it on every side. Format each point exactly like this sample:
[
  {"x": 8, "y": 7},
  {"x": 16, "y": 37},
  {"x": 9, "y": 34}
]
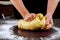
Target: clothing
[{"x": 35, "y": 6}]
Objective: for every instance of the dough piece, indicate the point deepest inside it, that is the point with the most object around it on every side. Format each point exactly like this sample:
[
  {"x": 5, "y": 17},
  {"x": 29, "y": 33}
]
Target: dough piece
[{"x": 38, "y": 22}]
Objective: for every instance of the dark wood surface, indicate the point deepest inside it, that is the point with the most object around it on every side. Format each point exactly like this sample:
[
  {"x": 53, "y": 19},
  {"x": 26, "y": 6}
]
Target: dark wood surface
[
  {"x": 7, "y": 10},
  {"x": 9, "y": 31}
]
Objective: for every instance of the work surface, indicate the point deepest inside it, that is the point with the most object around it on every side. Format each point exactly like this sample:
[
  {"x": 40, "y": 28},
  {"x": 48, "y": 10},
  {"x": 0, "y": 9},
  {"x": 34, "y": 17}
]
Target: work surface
[{"x": 9, "y": 31}]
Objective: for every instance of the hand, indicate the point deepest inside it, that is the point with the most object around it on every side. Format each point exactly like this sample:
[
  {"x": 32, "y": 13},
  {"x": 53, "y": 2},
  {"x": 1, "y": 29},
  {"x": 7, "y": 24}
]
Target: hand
[
  {"x": 30, "y": 17},
  {"x": 49, "y": 21}
]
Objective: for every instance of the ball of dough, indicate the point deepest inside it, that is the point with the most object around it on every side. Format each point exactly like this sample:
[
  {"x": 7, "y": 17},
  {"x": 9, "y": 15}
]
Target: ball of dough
[{"x": 38, "y": 22}]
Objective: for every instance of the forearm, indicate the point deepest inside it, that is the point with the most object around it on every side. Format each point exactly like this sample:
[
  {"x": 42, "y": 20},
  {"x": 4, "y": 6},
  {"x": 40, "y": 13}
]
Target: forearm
[
  {"x": 20, "y": 7},
  {"x": 52, "y": 4}
]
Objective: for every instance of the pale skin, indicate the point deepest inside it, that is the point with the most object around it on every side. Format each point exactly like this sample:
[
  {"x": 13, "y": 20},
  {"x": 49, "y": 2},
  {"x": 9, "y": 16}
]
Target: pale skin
[{"x": 52, "y": 4}]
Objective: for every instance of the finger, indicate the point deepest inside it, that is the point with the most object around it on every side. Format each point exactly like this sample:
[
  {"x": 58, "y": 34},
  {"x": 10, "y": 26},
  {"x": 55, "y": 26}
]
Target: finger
[
  {"x": 51, "y": 21},
  {"x": 33, "y": 16},
  {"x": 47, "y": 22},
  {"x": 29, "y": 18},
  {"x": 49, "y": 26}
]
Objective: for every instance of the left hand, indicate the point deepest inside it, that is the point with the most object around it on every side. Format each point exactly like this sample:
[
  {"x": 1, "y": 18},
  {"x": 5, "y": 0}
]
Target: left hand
[
  {"x": 49, "y": 21},
  {"x": 30, "y": 17}
]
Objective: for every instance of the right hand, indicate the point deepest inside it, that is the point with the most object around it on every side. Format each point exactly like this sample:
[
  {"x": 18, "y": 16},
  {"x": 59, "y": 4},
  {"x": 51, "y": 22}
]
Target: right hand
[{"x": 30, "y": 17}]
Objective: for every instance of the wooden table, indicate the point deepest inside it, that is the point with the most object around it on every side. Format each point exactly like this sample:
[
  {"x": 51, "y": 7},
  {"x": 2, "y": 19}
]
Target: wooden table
[{"x": 9, "y": 31}]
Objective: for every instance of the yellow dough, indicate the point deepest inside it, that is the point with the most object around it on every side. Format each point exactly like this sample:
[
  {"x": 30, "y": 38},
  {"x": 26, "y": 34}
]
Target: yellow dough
[{"x": 38, "y": 22}]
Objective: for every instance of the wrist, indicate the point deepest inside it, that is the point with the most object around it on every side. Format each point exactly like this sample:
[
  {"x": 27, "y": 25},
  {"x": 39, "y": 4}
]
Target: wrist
[
  {"x": 49, "y": 14},
  {"x": 26, "y": 14}
]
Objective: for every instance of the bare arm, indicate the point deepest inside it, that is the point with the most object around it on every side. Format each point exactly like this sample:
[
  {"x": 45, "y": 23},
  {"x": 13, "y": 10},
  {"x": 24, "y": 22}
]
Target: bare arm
[
  {"x": 20, "y": 7},
  {"x": 52, "y": 4}
]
